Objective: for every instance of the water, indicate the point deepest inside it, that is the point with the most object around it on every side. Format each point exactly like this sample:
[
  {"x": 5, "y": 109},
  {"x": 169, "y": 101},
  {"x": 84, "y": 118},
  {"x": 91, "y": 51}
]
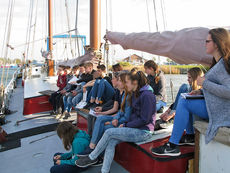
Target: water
[
  {"x": 177, "y": 81},
  {"x": 10, "y": 72}
]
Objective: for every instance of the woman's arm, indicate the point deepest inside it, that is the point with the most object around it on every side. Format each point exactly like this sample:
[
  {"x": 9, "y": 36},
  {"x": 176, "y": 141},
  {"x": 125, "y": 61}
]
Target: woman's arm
[
  {"x": 217, "y": 89},
  {"x": 125, "y": 116},
  {"x": 113, "y": 110}
]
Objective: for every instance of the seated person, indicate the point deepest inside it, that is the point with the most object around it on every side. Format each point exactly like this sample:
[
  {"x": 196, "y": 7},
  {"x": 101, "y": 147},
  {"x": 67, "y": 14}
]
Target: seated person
[
  {"x": 157, "y": 82},
  {"x": 193, "y": 74},
  {"x": 105, "y": 122},
  {"x": 67, "y": 99},
  {"x": 215, "y": 105},
  {"x": 102, "y": 90},
  {"x": 61, "y": 83},
  {"x": 109, "y": 108},
  {"x": 73, "y": 139}
]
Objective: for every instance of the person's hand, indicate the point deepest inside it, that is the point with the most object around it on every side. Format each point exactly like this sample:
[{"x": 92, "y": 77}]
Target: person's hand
[
  {"x": 74, "y": 93},
  {"x": 99, "y": 113},
  {"x": 98, "y": 109},
  {"x": 115, "y": 122},
  {"x": 107, "y": 123},
  {"x": 165, "y": 114},
  {"x": 84, "y": 89},
  {"x": 169, "y": 116},
  {"x": 57, "y": 157},
  {"x": 58, "y": 162},
  {"x": 200, "y": 80},
  {"x": 195, "y": 92},
  {"x": 73, "y": 82},
  {"x": 122, "y": 125}
]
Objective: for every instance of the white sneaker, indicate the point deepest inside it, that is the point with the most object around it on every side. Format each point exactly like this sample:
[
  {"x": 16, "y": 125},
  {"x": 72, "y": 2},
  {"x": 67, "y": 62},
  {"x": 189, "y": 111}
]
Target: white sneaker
[{"x": 81, "y": 105}]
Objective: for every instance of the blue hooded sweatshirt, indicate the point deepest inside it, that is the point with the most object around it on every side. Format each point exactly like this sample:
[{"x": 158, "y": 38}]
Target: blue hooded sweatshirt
[
  {"x": 80, "y": 142},
  {"x": 143, "y": 114}
]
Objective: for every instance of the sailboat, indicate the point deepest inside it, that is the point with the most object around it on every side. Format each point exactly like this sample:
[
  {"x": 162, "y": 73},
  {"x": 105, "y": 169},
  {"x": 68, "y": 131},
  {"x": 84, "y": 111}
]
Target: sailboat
[{"x": 30, "y": 137}]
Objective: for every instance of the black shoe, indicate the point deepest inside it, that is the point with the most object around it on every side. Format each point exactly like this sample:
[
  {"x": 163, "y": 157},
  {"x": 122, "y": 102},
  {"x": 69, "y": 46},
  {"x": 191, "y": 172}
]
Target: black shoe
[
  {"x": 166, "y": 150},
  {"x": 86, "y": 152},
  {"x": 67, "y": 115},
  {"x": 53, "y": 113},
  {"x": 161, "y": 110},
  {"x": 99, "y": 162},
  {"x": 84, "y": 162},
  {"x": 187, "y": 140}
]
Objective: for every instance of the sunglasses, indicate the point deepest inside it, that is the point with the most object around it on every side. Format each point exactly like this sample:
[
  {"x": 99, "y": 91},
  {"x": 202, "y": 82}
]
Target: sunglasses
[{"x": 207, "y": 41}]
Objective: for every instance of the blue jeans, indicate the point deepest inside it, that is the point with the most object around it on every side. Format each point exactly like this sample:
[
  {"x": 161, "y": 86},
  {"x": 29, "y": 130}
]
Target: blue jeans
[
  {"x": 186, "y": 108},
  {"x": 99, "y": 128},
  {"x": 105, "y": 91},
  {"x": 94, "y": 90},
  {"x": 111, "y": 138},
  {"x": 64, "y": 168},
  {"x": 184, "y": 88},
  {"x": 68, "y": 103},
  {"x": 77, "y": 99},
  {"x": 160, "y": 104}
]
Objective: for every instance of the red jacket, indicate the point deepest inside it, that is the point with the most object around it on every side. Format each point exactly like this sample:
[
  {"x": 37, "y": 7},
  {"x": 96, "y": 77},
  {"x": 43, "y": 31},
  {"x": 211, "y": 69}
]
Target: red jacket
[{"x": 61, "y": 82}]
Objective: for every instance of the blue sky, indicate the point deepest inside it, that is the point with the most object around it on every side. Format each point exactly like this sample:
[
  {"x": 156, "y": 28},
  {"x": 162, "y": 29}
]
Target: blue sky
[{"x": 124, "y": 16}]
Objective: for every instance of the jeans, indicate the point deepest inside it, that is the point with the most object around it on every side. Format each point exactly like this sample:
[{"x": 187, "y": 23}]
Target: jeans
[
  {"x": 99, "y": 128},
  {"x": 91, "y": 121},
  {"x": 185, "y": 88},
  {"x": 67, "y": 100},
  {"x": 77, "y": 99},
  {"x": 184, "y": 117},
  {"x": 105, "y": 91},
  {"x": 64, "y": 168},
  {"x": 93, "y": 92},
  {"x": 160, "y": 104},
  {"x": 111, "y": 138}
]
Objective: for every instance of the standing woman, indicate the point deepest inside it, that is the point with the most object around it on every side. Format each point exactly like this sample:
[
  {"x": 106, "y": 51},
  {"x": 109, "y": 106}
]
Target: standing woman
[
  {"x": 137, "y": 129},
  {"x": 157, "y": 82},
  {"x": 216, "y": 103}
]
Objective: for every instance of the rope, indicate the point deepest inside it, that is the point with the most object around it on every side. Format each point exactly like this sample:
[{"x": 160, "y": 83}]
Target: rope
[
  {"x": 70, "y": 37},
  {"x": 76, "y": 26},
  {"x": 155, "y": 12},
  {"x": 148, "y": 15},
  {"x": 163, "y": 14},
  {"x": 35, "y": 23}
]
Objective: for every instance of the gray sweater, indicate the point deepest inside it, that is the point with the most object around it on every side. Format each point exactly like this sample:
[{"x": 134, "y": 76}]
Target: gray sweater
[{"x": 217, "y": 96}]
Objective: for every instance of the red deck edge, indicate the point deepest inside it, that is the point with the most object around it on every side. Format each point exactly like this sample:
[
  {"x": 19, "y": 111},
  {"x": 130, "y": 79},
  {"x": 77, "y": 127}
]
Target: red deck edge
[
  {"x": 138, "y": 158},
  {"x": 36, "y": 105}
]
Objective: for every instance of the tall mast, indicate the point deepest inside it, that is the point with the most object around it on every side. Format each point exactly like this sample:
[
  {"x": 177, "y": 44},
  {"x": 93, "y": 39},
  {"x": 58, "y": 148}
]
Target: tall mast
[
  {"x": 50, "y": 36},
  {"x": 95, "y": 27}
]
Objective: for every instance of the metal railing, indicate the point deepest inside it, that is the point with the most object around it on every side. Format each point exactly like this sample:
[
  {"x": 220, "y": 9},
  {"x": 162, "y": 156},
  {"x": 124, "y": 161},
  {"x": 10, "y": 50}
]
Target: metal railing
[{"x": 7, "y": 92}]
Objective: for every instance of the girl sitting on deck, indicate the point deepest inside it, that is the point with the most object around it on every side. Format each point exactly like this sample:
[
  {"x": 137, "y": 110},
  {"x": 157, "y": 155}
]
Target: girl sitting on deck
[
  {"x": 107, "y": 121},
  {"x": 193, "y": 74},
  {"x": 138, "y": 129},
  {"x": 73, "y": 139},
  {"x": 157, "y": 82},
  {"x": 216, "y": 103}
]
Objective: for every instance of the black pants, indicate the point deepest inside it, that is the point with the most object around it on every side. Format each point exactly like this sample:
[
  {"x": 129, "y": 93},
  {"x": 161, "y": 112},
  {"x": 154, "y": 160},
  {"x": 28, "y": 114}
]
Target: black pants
[
  {"x": 65, "y": 168},
  {"x": 56, "y": 99}
]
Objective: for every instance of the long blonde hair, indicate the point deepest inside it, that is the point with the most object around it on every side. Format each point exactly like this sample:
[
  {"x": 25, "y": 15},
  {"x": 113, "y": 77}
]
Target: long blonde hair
[
  {"x": 122, "y": 77},
  {"x": 195, "y": 72},
  {"x": 221, "y": 37}
]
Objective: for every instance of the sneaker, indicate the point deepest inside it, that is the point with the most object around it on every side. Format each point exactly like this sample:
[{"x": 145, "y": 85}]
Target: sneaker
[
  {"x": 99, "y": 162},
  {"x": 187, "y": 140},
  {"x": 86, "y": 152},
  {"x": 84, "y": 162},
  {"x": 166, "y": 150},
  {"x": 67, "y": 115},
  {"x": 53, "y": 113}
]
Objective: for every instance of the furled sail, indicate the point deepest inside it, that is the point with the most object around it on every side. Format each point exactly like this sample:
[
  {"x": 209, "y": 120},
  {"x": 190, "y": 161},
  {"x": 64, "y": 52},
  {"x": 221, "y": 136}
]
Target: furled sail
[{"x": 186, "y": 46}]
